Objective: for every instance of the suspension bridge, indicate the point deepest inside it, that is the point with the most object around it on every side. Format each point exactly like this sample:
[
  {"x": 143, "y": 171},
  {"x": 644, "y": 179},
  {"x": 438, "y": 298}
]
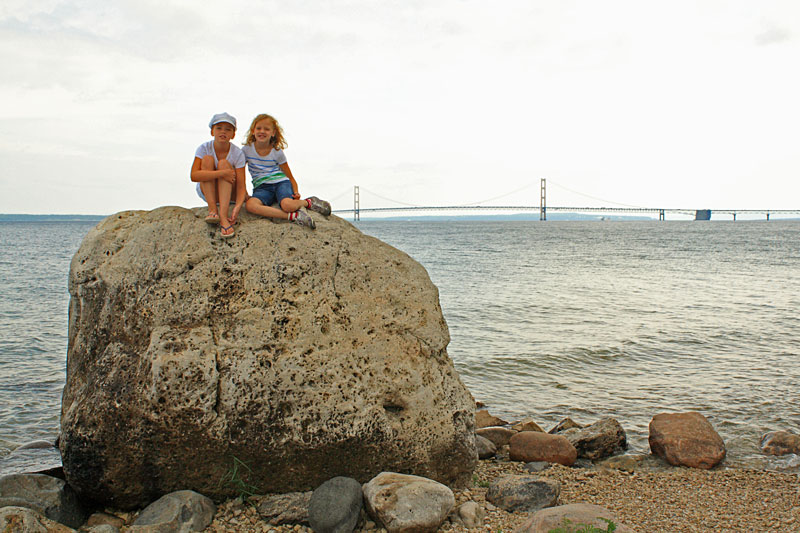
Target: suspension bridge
[{"x": 543, "y": 208}]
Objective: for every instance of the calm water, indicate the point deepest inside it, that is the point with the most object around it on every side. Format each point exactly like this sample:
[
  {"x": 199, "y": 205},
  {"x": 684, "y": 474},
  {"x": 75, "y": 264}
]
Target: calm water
[{"x": 555, "y": 319}]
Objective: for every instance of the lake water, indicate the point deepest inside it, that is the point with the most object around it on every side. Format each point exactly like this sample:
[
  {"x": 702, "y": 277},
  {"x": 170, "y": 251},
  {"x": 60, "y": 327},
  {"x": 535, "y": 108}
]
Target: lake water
[{"x": 548, "y": 320}]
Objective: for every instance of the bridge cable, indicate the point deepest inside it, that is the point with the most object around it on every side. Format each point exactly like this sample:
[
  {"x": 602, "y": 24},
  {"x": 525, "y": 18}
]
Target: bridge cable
[
  {"x": 389, "y": 199},
  {"x": 515, "y": 191},
  {"x": 593, "y": 197}
]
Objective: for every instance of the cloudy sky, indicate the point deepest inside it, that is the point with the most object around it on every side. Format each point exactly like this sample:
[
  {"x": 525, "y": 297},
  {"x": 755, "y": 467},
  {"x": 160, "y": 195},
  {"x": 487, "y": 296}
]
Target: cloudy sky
[{"x": 681, "y": 104}]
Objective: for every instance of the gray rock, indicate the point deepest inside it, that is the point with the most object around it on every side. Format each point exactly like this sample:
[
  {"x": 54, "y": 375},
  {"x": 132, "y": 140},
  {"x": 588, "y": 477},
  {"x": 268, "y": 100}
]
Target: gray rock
[
  {"x": 536, "y": 466},
  {"x": 523, "y": 493},
  {"x": 49, "y": 496},
  {"x": 179, "y": 511},
  {"x": 289, "y": 508},
  {"x": 282, "y": 346},
  {"x": 406, "y": 504},
  {"x": 576, "y": 513},
  {"x": 14, "y": 519},
  {"x": 602, "y": 439},
  {"x": 102, "y": 528},
  {"x": 485, "y": 447},
  {"x": 335, "y": 506},
  {"x": 471, "y": 514},
  {"x": 635, "y": 463}
]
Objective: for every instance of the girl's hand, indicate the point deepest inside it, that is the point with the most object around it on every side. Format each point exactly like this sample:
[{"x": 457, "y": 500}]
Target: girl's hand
[
  {"x": 229, "y": 175},
  {"x": 235, "y": 214},
  {"x": 296, "y": 195}
]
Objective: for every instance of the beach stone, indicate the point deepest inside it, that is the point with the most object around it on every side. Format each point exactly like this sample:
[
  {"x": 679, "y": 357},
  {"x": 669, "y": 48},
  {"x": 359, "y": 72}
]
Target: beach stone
[
  {"x": 182, "y": 510},
  {"x": 405, "y": 503},
  {"x": 15, "y": 519},
  {"x": 49, "y": 496},
  {"x": 536, "y": 466},
  {"x": 289, "y": 508},
  {"x": 498, "y": 435},
  {"x": 780, "y": 443},
  {"x": 564, "y": 425},
  {"x": 522, "y": 493},
  {"x": 575, "y": 513},
  {"x": 101, "y": 519},
  {"x": 531, "y": 446},
  {"x": 596, "y": 441},
  {"x": 484, "y": 419},
  {"x": 635, "y": 463},
  {"x": 471, "y": 514},
  {"x": 686, "y": 439},
  {"x": 485, "y": 447},
  {"x": 526, "y": 424},
  {"x": 335, "y": 506},
  {"x": 104, "y": 528},
  {"x": 283, "y": 347}
]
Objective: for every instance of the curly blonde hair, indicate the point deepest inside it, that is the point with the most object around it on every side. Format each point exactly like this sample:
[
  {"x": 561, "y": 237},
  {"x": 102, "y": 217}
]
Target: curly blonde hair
[{"x": 277, "y": 141}]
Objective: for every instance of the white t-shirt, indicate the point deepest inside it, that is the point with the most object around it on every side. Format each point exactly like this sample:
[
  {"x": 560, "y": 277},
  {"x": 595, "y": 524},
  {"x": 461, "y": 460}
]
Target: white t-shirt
[
  {"x": 235, "y": 155},
  {"x": 264, "y": 169}
]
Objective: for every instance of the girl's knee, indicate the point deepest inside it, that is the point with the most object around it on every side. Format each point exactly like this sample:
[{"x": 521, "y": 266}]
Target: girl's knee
[
  {"x": 207, "y": 163},
  {"x": 288, "y": 206},
  {"x": 252, "y": 203},
  {"x": 224, "y": 164}
]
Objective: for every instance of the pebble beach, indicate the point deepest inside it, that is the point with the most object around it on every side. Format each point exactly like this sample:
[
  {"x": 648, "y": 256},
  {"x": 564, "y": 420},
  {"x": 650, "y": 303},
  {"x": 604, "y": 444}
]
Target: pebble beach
[{"x": 677, "y": 500}]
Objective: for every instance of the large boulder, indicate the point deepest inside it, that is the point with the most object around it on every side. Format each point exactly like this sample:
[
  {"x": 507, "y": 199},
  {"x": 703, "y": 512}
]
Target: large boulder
[
  {"x": 686, "y": 439},
  {"x": 290, "y": 355}
]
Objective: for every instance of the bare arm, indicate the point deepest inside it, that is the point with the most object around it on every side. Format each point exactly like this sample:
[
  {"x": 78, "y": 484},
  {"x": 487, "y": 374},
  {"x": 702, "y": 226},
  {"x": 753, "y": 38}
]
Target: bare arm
[
  {"x": 198, "y": 174},
  {"x": 286, "y": 170}
]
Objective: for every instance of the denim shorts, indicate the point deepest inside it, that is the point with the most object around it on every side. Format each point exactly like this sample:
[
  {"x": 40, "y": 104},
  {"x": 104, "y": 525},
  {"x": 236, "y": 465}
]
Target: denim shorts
[{"x": 270, "y": 193}]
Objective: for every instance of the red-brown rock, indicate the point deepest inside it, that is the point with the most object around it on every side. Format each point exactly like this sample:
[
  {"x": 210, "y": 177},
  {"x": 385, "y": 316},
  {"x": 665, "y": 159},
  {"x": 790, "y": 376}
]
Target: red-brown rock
[
  {"x": 498, "y": 435},
  {"x": 535, "y": 446},
  {"x": 780, "y": 443},
  {"x": 686, "y": 439}
]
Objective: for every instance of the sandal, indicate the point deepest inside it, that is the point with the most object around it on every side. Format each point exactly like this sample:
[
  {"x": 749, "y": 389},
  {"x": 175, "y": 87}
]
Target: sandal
[
  {"x": 223, "y": 229},
  {"x": 212, "y": 218}
]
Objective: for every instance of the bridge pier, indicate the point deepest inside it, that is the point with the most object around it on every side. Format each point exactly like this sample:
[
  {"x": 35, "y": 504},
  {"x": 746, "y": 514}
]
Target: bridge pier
[
  {"x": 734, "y": 216},
  {"x": 767, "y": 215},
  {"x": 356, "y": 203},
  {"x": 661, "y": 215}
]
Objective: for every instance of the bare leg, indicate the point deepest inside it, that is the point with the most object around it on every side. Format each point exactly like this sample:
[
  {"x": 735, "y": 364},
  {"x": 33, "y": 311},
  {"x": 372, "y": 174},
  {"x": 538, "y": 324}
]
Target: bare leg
[
  {"x": 254, "y": 205},
  {"x": 209, "y": 188},
  {"x": 291, "y": 205},
  {"x": 224, "y": 187}
]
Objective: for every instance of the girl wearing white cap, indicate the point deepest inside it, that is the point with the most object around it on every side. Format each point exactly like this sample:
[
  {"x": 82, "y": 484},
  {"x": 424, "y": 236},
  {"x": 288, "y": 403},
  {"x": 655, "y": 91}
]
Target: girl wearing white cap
[{"x": 218, "y": 169}]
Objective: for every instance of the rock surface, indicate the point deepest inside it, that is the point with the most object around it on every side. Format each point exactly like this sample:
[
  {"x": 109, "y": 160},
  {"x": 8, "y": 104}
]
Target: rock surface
[
  {"x": 282, "y": 346},
  {"x": 335, "y": 506},
  {"x": 523, "y": 493},
  {"x": 574, "y": 515},
  {"x": 484, "y": 419},
  {"x": 529, "y": 446},
  {"x": 15, "y": 519},
  {"x": 604, "y": 438},
  {"x": 498, "y": 435},
  {"x": 484, "y": 447},
  {"x": 404, "y": 503},
  {"x": 686, "y": 439},
  {"x": 183, "y": 510},
  {"x": 49, "y": 496},
  {"x": 780, "y": 443},
  {"x": 289, "y": 508}
]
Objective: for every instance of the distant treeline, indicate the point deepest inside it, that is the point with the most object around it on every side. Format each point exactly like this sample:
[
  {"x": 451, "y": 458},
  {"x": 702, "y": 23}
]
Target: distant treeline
[{"x": 51, "y": 218}]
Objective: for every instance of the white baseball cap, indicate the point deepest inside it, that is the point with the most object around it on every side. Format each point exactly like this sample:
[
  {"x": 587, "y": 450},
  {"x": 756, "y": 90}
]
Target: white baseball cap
[{"x": 222, "y": 117}]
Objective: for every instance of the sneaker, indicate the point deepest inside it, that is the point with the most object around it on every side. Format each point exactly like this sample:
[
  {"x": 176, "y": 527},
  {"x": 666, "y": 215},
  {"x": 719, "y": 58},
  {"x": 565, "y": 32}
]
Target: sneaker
[
  {"x": 303, "y": 219},
  {"x": 320, "y": 206}
]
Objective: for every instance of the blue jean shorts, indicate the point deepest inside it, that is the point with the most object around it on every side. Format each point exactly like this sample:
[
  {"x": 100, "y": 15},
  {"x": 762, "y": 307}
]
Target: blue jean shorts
[{"x": 270, "y": 193}]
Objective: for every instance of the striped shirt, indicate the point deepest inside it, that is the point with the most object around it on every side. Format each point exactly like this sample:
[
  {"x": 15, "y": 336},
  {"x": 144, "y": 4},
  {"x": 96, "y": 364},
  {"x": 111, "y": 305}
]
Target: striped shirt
[{"x": 264, "y": 169}]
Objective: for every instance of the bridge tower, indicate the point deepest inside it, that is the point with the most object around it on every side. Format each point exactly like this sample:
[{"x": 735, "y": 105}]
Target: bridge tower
[
  {"x": 543, "y": 200},
  {"x": 356, "y": 204}
]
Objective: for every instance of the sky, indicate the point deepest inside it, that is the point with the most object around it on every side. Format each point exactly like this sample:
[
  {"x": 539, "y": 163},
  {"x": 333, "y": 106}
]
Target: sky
[{"x": 679, "y": 104}]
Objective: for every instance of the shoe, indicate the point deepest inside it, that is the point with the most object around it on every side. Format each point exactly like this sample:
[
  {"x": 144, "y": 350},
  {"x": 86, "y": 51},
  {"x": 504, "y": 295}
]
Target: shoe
[
  {"x": 223, "y": 229},
  {"x": 302, "y": 219},
  {"x": 212, "y": 218},
  {"x": 320, "y": 206}
]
